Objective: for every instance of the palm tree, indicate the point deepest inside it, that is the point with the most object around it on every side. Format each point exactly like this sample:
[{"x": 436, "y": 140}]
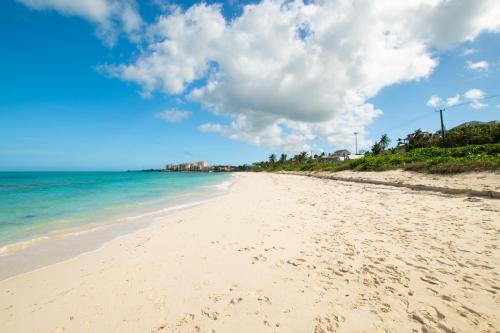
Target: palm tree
[
  {"x": 302, "y": 157},
  {"x": 272, "y": 158},
  {"x": 376, "y": 148},
  {"x": 283, "y": 158},
  {"x": 384, "y": 141}
]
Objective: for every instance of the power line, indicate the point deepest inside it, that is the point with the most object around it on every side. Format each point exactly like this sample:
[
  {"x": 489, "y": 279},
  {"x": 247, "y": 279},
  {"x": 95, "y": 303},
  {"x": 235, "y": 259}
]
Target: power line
[
  {"x": 457, "y": 105},
  {"x": 470, "y": 102},
  {"x": 409, "y": 121},
  {"x": 432, "y": 112}
]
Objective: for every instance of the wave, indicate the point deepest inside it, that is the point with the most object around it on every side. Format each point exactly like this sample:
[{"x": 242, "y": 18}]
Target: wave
[{"x": 14, "y": 247}]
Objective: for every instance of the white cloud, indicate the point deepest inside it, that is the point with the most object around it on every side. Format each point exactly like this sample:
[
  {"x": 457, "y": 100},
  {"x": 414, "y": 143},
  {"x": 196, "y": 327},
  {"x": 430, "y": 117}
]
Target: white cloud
[
  {"x": 446, "y": 23},
  {"x": 477, "y": 104},
  {"x": 108, "y": 15},
  {"x": 454, "y": 100},
  {"x": 173, "y": 115},
  {"x": 467, "y": 52},
  {"x": 287, "y": 72},
  {"x": 434, "y": 101},
  {"x": 480, "y": 66},
  {"x": 474, "y": 94},
  {"x": 182, "y": 45}
]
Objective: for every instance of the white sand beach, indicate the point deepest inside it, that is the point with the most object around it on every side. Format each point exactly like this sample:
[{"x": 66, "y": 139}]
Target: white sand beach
[{"x": 282, "y": 253}]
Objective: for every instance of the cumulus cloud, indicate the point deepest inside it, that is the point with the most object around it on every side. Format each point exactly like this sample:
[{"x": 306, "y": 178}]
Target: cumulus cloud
[
  {"x": 477, "y": 104},
  {"x": 474, "y": 97},
  {"x": 480, "y": 66},
  {"x": 445, "y": 23},
  {"x": 474, "y": 94},
  {"x": 173, "y": 115},
  {"x": 285, "y": 73},
  {"x": 454, "y": 100},
  {"x": 109, "y": 15},
  {"x": 434, "y": 101},
  {"x": 181, "y": 47}
]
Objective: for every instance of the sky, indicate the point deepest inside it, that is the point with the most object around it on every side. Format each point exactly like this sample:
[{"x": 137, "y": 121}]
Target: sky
[{"x": 124, "y": 84}]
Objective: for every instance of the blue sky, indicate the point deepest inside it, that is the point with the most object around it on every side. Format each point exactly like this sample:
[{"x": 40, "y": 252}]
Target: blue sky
[{"x": 64, "y": 106}]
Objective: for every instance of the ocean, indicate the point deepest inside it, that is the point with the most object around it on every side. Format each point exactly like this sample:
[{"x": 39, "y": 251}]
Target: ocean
[{"x": 36, "y": 207}]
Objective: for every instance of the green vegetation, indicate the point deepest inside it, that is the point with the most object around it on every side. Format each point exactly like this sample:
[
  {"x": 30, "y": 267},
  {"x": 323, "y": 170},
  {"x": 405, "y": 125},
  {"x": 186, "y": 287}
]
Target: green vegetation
[
  {"x": 472, "y": 133},
  {"x": 469, "y": 147},
  {"x": 432, "y": 160}
]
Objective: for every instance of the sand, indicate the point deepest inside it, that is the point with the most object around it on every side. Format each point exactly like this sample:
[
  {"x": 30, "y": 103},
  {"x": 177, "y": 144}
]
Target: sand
[
  {"x": 281, "y": 253},
  {"x": 478, "y": 181}
]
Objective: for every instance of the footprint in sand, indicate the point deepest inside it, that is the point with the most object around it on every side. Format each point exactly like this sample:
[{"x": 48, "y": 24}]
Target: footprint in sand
[
  {"x": 160, "y": 327},
  {"x": 215, "y": 298},
  {"x": 295, "y": 262},
  {"x": 267, "y": 323},
  {"x": 188, "y": 317},
  {"x": 264, "y": 299},
  {"x": 259, "y": 257},
  {"x": 327, "y": 323},
  {"x": 246, "y": 248},
  {"x": 214, "y": 315},
  {"x": 236, "y": 300},
  {"x": 430, "y": 279}
]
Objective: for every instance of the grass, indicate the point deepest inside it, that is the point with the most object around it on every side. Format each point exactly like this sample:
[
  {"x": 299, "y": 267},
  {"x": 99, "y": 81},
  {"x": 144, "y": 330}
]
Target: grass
[{"x": 430, "y": 160}]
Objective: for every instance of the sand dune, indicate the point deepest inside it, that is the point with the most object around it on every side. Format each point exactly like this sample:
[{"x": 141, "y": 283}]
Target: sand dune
[{"x": 281, "y": 253}]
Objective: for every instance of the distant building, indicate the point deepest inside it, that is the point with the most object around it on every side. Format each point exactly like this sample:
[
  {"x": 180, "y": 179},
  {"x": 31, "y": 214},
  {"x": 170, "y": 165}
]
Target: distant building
[
  {"x": 191, "y": 166},
  {"x": 333, "y": 158},
  {"x": 342, "y": 152},
  {"x": 355, "y": 157},
  {"x": 223, "y": 168},
  {"x": 337, "y": 156}
]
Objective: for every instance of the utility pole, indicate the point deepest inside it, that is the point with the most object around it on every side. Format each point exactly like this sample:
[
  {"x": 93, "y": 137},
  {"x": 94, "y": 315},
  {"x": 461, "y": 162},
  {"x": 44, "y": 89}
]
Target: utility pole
[
  {"x": 356, "y": 141},
  {"x": 442, "y": 127}
]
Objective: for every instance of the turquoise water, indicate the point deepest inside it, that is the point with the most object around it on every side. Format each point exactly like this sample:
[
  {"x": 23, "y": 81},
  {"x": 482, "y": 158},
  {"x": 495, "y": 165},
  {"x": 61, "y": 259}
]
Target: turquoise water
[{"x": 35, "y": 204}]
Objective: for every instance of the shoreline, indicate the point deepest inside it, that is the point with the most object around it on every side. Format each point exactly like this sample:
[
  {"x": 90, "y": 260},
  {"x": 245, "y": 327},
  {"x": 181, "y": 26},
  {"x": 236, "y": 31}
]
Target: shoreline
[
  {"x": 65, "y": 244},
  {"x": 280, "y": 253}
]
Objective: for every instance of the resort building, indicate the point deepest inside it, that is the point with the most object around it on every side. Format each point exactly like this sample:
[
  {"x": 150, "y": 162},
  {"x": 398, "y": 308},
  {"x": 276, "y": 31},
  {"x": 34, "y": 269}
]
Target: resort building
[{"x": 191, "y": 166}]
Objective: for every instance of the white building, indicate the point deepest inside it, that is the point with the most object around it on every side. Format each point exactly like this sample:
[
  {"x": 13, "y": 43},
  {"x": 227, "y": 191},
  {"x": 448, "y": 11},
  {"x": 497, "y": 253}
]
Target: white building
[{"x": 191, "y": 166}]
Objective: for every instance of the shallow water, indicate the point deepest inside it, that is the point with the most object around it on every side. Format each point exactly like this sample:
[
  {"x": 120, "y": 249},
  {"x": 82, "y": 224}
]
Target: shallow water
[{"x": 38, "y": 206}]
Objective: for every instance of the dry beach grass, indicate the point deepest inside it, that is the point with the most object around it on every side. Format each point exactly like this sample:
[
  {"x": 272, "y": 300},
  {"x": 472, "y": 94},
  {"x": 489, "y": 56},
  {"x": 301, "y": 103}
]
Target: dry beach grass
[{"x": 281, "y": 253}]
